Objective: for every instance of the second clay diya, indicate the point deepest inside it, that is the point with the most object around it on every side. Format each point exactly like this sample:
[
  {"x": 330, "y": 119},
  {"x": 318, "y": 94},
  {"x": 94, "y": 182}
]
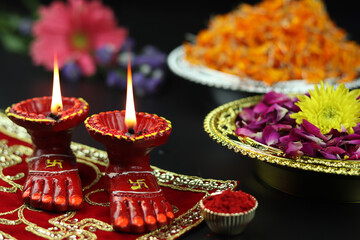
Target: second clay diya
[
  {"x": 53, "y": 181},
  {"x": 137, "y": 203}
]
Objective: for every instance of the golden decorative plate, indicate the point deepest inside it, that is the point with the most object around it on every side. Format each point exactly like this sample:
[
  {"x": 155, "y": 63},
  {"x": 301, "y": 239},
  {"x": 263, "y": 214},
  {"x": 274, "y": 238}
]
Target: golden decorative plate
[{"x": 294, "y": 176}]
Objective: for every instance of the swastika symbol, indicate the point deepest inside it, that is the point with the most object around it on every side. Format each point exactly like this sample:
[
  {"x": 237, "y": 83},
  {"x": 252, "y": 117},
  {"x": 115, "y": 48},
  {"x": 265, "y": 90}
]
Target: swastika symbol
[
  {"x": 54, "y": 163},
  {"x": 138, "y": 184}
]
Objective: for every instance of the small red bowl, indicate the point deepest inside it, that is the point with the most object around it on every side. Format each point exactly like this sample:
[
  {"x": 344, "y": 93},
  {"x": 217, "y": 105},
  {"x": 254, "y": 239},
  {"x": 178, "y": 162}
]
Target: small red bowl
[{"x": 227, "y": 223}]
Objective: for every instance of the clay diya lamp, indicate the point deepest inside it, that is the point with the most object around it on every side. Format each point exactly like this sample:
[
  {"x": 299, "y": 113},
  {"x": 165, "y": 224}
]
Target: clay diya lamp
[
  {"x": 53, "y": 181},
  {"x": 137, "y": 203}
]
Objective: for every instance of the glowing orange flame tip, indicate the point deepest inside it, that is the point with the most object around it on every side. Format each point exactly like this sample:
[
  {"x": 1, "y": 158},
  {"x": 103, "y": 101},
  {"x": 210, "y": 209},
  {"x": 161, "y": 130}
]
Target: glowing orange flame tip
[
  {"x": 56, "y": 102},
  {"x": 130, "y": 116}
]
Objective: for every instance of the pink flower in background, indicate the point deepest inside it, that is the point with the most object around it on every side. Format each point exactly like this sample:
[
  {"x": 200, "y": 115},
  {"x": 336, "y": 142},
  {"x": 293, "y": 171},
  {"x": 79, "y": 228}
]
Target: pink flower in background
[{"x": 75, "y": 30}]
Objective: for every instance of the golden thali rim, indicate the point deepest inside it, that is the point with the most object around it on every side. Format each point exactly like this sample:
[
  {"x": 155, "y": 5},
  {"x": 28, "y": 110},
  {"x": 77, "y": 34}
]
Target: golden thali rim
[{"x": 220, "y": 124}]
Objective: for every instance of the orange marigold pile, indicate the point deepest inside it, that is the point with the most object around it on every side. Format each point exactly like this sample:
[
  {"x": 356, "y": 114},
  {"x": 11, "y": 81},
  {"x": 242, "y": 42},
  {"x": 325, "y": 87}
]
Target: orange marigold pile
[{"x": 277, "y": 40}]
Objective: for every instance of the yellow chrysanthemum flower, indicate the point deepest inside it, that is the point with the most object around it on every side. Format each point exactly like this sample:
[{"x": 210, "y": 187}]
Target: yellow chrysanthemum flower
[{"x": 327, "y": 108}]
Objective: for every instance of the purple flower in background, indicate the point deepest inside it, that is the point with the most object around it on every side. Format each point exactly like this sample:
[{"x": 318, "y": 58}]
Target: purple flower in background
[
  {"x": 129, "y": 45},
  {"x": 152, "y": 85},
  {"x": 147, "y": 82},
  {"x": 25, "y": 26},
  {"x": 155, "y": 80},
  {"x": 123, "y": 59},
  {"x": 126, "y": 50},
  {"x": 150, "y": 56},
  {"x": 147, "y": 67},
  {"x": 139, "y": 83},
  {"x": 105, "y": 55},
  {"x": 115, "y": 79},
  {"x": 71, "y": 71}
]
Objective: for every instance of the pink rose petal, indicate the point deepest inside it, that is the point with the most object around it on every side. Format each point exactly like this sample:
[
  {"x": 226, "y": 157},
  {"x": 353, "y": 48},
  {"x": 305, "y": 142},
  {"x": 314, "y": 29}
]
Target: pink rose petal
[
  {"x": 329, "y": 155},
  {"x": 269, "y": 123},
  {"x": 353, "y": 142},
  {"x": 334, "y": 150},
  {"x": 246, "y": 114},
  {"x": 311, "y": 128},
  {"x": 282, "y": 127},
  {"x": 278, "y": 110},
  {"x": 334, "y": 141},
  {"x": 309, "y": 137},
  {"x": 293, "y": 148},
  {"x": 310, "y": 149},
  {"x": 244, "y": 132},
  {"x": 270, "y": 135},
  {"x": 274, "y": 97},
  {"x": 260, "y": 108},
  {"x": 353, "y": 136},
  {"x": 257, "y": 124}
]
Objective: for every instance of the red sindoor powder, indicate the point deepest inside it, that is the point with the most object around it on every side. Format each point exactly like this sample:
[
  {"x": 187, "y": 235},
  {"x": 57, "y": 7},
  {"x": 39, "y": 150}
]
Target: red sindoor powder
[{"x": 229, "y": 202}]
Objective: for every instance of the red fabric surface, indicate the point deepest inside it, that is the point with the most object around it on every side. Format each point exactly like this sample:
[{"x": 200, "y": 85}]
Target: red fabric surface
[{"x": 182, "y": 199}]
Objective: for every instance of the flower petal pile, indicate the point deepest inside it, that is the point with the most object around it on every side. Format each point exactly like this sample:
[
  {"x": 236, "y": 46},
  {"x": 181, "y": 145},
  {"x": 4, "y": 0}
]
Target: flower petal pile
[
  {"x": 277, "y": 40},
  {"x": 269, "y": 123}
]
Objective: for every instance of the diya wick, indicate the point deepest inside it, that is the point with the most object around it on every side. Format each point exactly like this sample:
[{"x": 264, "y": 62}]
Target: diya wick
[
  {"x": 55, "y": 117},
  {"x": 137, "y": 203},
  {"x": 53, "y": 181},
  {"x": 130, "y": 132}
]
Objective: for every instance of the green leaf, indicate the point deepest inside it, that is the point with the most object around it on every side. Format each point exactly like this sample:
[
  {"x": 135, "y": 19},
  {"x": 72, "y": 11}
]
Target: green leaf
[{"x": 14, "y": 43}]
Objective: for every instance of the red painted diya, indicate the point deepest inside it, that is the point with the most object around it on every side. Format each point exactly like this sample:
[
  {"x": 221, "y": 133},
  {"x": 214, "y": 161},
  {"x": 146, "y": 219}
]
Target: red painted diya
[
  {"x": 137, "y": 203},
  {"x": 53, "y": 181}
]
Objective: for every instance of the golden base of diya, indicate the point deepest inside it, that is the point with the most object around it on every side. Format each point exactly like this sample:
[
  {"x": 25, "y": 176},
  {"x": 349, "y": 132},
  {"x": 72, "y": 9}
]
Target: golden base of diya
[{"x": 325, "y": 179}]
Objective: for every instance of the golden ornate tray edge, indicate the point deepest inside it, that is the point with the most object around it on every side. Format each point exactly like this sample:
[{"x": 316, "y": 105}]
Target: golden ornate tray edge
[
  {"x": 220, "y": 124},
  {"x": 181, "y": 224}
]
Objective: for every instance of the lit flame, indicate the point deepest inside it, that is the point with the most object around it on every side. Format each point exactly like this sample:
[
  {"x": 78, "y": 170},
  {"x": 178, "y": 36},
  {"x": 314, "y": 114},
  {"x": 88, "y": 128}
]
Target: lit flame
[
  {"x": 56, "y": 102},
  {"x": 130, "y": 117}
]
